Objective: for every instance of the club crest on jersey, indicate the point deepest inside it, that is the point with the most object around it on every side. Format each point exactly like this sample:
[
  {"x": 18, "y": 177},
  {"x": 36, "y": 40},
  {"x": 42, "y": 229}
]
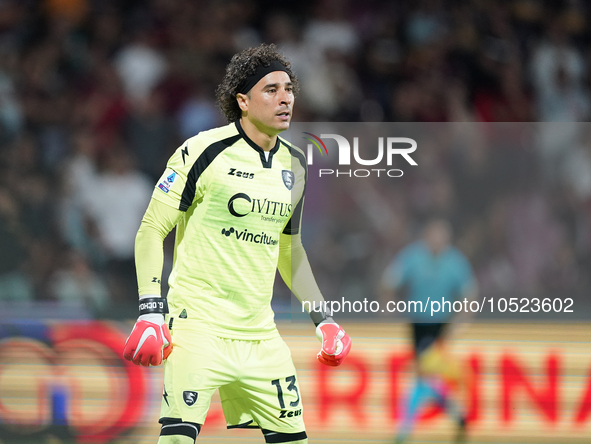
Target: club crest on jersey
[
  {"x": 190, "y": 398},
  {"x": 288, "y": 179}
]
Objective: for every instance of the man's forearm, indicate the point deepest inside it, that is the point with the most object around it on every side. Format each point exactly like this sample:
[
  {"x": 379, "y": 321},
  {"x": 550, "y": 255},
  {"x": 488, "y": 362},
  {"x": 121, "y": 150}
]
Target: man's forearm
[
  {"x": 296, "y": 272},
  {"x": 158, "y": 221}
]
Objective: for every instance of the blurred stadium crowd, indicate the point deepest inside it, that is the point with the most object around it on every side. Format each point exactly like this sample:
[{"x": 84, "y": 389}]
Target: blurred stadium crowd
[{"x": 96, "y": 95}]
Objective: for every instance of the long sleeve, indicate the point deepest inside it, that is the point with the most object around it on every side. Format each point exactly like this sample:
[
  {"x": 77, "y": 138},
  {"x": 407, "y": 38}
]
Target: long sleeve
[
  {"x": 296, "y": 272},
  {"x": 158, "y": 221}
]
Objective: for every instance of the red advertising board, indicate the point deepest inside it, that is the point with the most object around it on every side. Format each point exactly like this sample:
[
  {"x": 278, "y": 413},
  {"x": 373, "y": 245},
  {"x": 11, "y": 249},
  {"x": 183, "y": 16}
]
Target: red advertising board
[{"x": 524, "y": 383}]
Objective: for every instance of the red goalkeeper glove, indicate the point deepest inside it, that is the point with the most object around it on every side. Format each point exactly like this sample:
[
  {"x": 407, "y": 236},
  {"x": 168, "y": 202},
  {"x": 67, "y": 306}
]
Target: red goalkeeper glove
[
  {"x": 149, "y": 342},
  {"x": 336, "y": 344}
]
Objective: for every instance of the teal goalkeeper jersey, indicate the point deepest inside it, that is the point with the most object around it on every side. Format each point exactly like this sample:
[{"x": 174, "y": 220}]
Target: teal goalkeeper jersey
[{"x": 237, "y": 204}]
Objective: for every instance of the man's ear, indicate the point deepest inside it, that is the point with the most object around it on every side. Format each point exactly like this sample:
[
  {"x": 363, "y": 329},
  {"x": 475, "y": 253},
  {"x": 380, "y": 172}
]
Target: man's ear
[{"x": 242, "y": 100}]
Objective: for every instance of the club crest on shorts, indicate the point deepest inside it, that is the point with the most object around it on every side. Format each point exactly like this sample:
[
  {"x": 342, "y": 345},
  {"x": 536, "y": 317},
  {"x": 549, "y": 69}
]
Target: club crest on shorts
[
  {"x": 288, "y": 179},
  {"x": 189, "y": 397}
]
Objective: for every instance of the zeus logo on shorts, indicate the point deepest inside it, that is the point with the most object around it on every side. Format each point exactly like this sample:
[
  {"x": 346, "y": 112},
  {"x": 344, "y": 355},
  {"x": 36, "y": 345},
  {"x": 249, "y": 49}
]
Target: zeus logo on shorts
[
  {"x": 190, "y": 397},
  {"x": 290, "y": 414}
]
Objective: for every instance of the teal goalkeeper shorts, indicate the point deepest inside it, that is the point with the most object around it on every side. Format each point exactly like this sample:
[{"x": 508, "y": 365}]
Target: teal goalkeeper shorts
[{"x": 257, "y": 382}]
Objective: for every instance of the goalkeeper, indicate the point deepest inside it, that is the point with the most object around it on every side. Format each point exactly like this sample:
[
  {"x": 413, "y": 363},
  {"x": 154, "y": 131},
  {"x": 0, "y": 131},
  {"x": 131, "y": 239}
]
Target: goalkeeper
[{"x": 235, "y": 195}]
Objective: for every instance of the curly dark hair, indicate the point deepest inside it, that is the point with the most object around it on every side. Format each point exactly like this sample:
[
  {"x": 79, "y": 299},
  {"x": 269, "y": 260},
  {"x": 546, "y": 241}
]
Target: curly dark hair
[{"x": 242, "y": 66}]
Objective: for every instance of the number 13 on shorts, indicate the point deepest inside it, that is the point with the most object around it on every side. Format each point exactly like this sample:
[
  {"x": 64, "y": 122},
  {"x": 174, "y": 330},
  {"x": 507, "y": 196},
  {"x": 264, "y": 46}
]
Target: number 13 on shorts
[{"x": 290, "y": 384}]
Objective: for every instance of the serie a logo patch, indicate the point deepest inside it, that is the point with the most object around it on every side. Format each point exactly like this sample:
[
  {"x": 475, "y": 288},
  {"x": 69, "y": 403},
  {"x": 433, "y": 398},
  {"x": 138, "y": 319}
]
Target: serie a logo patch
[
  {"x": 189, "y": 397},
  {"x": 167, "y": 183}
]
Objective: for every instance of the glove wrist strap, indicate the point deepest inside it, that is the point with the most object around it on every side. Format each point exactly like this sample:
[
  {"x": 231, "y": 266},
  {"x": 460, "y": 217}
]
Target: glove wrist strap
[
  {"x": 320, "y": 316},
  {"x": 153, "y": 305}
]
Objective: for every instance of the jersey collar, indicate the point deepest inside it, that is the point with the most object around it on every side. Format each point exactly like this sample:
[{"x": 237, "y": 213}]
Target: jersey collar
[{"x": 266, "y": 163}]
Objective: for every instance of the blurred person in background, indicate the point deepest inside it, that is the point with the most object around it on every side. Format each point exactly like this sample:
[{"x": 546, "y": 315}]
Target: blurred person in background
[
  {"x": 115, "y": 204},
  {"x": 15, "y": 285},
  {"x": 11, "y": 113},
  {"x": 557, "y": 71},
  {"x": 431, "y": 269},
  {"x": 77, "y": 176},
  {"x": 148, "y": 131},
  {"x": 140, "y": 65},
  {"x": 558, "y": 75},
  {"x": 76, "y": 284}
]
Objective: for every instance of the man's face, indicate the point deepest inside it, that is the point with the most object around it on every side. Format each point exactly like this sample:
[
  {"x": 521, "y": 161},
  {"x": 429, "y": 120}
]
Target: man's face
[
  {"x": 438, "y": 236},
  {"x": 269, "y": 103}
]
